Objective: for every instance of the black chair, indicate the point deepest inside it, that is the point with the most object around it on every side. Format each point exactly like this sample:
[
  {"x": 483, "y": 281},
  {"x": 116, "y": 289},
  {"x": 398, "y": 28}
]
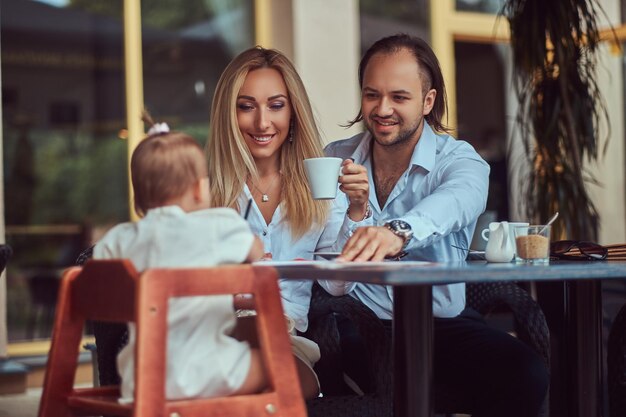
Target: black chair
[
  {"x": 338, "y": 401},
  {"x": 616, "y": 365},
  {"x": 530, "y": 323},
  {"x": 531, "y": 326}
]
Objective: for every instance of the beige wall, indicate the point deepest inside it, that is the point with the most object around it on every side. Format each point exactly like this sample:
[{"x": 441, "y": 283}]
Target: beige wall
[
  {"x": 610, "y": 196},
  {"x": 3, "y": 286},
  {"x": 322, "y": 38},
  {"x": 327, "y": 53}
]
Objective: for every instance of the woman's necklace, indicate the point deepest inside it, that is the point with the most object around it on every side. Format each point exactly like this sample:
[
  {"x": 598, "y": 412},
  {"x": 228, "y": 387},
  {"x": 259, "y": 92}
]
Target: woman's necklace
[{"x": 264, "y": 197}]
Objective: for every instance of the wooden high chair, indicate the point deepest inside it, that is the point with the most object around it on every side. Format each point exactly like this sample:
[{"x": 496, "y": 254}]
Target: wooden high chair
[{"x": 112, "y": 290}]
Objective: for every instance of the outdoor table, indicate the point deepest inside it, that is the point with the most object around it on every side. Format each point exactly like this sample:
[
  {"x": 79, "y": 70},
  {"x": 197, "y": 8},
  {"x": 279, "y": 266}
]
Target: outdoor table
[{"x": 413, "y": 325}]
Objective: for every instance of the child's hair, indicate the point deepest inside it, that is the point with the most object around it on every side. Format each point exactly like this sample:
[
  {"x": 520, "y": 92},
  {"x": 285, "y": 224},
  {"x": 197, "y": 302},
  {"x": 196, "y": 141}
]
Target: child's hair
[{"x": 163, "y": 166}]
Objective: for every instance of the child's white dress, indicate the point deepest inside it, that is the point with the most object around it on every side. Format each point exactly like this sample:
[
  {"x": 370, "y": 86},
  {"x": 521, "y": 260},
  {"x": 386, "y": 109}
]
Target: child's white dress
[{"x": 203, "y": 360}]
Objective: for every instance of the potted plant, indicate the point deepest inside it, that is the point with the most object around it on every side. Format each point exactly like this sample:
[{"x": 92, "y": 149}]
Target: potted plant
[{"x": 554, "y": 46}]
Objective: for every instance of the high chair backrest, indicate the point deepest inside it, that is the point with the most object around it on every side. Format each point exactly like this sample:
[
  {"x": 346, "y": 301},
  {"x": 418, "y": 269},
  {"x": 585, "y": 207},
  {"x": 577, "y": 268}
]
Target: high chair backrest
[{"x": 113, "y": 291}]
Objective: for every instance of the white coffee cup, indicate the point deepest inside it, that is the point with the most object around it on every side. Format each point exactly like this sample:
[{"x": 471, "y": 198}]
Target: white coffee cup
[
  {"x": 512, "y": 227},
  {"x": 323, "y": 174}
]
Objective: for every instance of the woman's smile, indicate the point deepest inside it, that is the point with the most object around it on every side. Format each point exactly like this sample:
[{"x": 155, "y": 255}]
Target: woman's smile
[{"x": 262, "y": 139}]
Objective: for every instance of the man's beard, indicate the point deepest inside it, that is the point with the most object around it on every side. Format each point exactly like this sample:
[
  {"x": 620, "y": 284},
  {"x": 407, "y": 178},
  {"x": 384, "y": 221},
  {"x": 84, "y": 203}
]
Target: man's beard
[{"x": 403, "y": 136}]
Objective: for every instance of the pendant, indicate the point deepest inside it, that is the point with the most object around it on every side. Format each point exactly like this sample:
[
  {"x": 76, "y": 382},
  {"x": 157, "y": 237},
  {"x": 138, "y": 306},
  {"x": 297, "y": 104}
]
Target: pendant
[{"x": 265, "y": 198}]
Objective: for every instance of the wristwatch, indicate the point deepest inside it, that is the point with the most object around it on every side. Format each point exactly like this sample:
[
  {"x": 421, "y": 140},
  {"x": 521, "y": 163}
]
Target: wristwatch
[{"x": 402, "y": 229}]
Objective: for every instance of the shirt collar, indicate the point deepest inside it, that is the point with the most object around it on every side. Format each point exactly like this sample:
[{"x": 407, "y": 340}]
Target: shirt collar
[
  {"x": 362, "y": 152},
  {"x": 423, "y": 155},
  {"x": 425, "y": 151},
  {"x": 167, "y": 210}
]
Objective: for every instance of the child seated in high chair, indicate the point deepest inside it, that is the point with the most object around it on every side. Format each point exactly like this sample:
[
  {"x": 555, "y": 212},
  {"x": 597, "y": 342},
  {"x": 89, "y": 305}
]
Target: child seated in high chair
[{"x": 179, "y": 229}]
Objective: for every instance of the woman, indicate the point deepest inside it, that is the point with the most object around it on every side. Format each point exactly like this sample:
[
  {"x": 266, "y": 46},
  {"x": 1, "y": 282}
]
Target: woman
[{"x": 262, "y": 128}]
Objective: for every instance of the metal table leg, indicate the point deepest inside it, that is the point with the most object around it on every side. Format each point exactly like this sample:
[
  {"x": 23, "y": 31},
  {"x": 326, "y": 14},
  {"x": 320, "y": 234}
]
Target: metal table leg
[
  {"x": 584, "y": 348},
  {"x": 413, "y": 351}
]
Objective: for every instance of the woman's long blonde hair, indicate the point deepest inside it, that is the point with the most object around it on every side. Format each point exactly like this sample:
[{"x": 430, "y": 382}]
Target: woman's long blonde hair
[{"x": 230, "y": 160}]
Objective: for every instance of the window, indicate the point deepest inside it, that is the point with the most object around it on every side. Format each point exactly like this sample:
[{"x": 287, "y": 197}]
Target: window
[
  {"x": 63, "y": 84},
  {"x": 480, "y": 6},
  {"x": 380, "y": 19},
  {"x": 184, "y": 53},
  {"x": 65, "y": 168}
]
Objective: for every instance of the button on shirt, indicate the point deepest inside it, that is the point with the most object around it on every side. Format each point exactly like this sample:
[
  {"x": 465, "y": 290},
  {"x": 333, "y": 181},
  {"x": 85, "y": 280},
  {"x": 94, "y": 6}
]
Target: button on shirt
[
  {"x": 277, "y": 240},
  {"x": 441, "y": 195}
]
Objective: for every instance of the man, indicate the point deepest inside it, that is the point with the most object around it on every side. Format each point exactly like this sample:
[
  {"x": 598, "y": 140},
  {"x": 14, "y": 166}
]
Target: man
[{"x": 427, "y": 190}]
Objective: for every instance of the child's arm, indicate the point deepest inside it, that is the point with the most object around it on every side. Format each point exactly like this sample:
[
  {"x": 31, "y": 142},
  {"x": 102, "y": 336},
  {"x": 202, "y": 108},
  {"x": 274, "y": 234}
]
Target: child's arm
[{"x": 256, "y": 250}]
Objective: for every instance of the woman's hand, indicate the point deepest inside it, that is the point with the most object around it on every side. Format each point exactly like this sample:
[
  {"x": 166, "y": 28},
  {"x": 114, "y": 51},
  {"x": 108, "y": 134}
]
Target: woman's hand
[{"x": 355, "y": 184}]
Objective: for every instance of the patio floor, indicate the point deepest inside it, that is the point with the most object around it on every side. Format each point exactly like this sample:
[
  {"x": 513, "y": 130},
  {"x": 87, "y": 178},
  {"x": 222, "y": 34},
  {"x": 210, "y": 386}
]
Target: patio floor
[{"x": 20, "y": 405}]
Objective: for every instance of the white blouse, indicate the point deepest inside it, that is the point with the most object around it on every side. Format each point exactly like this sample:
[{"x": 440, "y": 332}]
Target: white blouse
[{"x": 277, "y": 240}]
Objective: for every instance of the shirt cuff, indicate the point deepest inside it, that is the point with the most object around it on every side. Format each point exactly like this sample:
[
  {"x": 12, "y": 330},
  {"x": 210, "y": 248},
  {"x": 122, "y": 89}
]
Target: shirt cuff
[{"x": 422, "y": 227}]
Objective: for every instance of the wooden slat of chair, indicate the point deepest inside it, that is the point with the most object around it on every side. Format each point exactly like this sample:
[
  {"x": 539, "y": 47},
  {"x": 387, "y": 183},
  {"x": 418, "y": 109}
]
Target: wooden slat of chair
[
  {"x": 62, "y": 359},
  {"x": 107, "y": 290}
]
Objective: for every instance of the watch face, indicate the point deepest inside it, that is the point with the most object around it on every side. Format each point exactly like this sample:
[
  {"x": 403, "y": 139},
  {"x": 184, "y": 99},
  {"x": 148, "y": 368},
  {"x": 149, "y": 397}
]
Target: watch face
[
  {"x": 402, "y": 229},
  {"x": 400, "y": 226}
]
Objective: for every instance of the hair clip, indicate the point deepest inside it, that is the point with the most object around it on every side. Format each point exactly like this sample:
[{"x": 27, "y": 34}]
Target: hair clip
[{"x": 158, "y": 128}]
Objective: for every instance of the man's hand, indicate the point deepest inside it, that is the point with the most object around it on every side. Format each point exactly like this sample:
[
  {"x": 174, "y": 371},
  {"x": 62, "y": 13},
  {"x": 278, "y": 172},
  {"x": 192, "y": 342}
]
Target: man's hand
[
  {"x": 371, "y": 244},
  {"x": 355, "y": 184}
]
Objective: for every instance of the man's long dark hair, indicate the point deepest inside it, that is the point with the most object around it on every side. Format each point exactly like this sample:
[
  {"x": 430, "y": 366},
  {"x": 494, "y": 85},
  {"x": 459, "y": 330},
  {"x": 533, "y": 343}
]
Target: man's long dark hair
[{"x": 428, "y": 65}]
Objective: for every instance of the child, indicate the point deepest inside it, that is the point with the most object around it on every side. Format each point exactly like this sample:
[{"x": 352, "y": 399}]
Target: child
[{"x": 169, "y": 177}]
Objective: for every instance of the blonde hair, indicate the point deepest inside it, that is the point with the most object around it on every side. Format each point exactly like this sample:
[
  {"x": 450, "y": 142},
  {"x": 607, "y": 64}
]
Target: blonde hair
[
  {"x": 163, "y": 167},
  {"x": 230, "y": 160}
]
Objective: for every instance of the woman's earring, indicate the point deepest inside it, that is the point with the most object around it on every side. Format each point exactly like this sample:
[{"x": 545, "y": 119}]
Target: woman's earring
[{"x": 291, "y": 132}]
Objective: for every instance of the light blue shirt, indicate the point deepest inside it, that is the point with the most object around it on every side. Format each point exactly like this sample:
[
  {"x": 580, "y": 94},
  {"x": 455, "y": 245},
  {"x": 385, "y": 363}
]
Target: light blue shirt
[
  {"x": 441, "y": 194},
  {"x": 278, "y": 240}
]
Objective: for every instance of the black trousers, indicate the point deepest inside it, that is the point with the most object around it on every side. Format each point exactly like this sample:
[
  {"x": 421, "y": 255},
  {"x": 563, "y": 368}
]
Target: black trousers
[{"x": 478, "y": 370}]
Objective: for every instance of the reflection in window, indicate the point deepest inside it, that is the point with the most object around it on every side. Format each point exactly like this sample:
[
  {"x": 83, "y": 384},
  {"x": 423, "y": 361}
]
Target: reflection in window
[
  {"x": 380, "y": 19},
  {"x": 65, "y": 169},
  {"x": 184, "y": 53},
  {"x": 64, "y": 166},
  {"x": 480, "y": 6},
  {"x": 480, "y": 79}
]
